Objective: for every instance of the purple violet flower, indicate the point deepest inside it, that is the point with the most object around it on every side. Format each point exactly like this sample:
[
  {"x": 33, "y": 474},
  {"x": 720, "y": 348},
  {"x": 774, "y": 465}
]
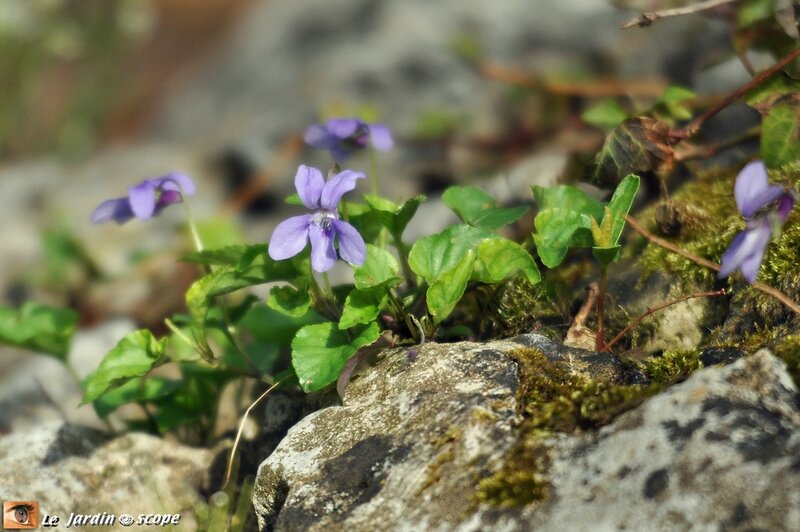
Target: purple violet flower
[
  {"x": 145, "y": 200},
  {"x": 765, "y": 208},
  {"x": 342, "y": 136},
  {"x": 323, "y": 225}
]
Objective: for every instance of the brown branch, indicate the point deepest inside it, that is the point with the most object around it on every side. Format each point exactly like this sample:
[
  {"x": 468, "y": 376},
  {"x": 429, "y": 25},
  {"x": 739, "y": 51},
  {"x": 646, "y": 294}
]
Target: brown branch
[
  {"x": 761, "y": 287},
  {"x": 694, "y": 126},
  {"x": 649, "y": 311},
  {"x": 645, "y": 19},
  {"x": 592, "y": 88}
]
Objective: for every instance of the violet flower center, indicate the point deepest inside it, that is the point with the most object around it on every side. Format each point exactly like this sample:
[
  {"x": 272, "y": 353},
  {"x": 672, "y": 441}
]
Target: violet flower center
[{"x": 324, "y": 219}]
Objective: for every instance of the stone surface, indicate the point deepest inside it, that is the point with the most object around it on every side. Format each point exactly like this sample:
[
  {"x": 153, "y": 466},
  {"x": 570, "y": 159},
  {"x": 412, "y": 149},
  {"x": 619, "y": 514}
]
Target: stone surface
[
  {"x": 72, "y": 469},
  {"x": 408, "y": 441},
  {"x": 38, "y": 388},
  {"x": 405, "y": 452}
]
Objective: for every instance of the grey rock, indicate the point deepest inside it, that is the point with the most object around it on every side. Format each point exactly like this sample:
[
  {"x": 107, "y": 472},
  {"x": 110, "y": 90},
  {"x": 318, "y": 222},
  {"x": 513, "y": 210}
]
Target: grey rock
[
  {"x": 38, "y": 388},
  {"x": 72, "y": 469},
  {"x": 381, "y": 460},
  {"x": 717, "y": 452},
  {"x": 405, "y": 451}
]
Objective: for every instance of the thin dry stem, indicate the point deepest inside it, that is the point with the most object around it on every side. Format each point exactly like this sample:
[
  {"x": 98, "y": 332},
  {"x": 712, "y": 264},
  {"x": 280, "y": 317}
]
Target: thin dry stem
[
  {"x": 645, "y": 19},
  {"x": 236, "y": 441},
  {"x": 649, "y": 311},
  {"x": 761, "y": 287}
]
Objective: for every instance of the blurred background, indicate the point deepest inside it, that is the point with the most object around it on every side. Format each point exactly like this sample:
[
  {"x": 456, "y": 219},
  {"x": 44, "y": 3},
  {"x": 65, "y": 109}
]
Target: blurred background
[{"x": 100, "y": 94}]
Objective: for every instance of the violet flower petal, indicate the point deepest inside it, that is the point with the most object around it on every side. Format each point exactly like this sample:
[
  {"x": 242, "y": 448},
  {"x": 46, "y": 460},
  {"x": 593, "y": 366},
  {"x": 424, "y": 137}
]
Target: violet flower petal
[
  {"x": 337, "y": 187},
  {"x": 290, "y": 237},
  {"x": 117, "y": 209},
  {"x": 344, "y": 127},
  {"x": 351, "y": 245},
  {"x": 323, "y": 256},
  {"x": 309, "y": 184},
  {"x": 143, "y": 200},
  {"x": 785, "y": 205},
  {"x": 318, "y": 136},
  {"x": 752, "y": 189},
  {"x": 175, "y": 181},
  {"x": 167, "y": 198},
  {"x": 381, "y": 137},
  {"x": 746, "y": 251}
]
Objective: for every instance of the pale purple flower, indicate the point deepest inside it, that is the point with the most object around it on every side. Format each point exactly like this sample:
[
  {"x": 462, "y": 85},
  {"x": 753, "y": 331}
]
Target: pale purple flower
[
  {"x": 342, "y": 136},
  {"x": 323, "y": 226},
  {"x": 145, "y": 200},
  {"x": 765, "y": 208}
]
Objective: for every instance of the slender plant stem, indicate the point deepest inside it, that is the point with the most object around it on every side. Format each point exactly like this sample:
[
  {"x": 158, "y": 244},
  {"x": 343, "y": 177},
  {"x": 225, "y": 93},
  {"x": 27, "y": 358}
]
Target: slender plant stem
[
  {"x": 645, "y": 19},
  {"x": 600, "y": 339},
  {"x": 709, "y": 150},
  {"x": 761, "y": 287},
  {"x": 649, "y": 311},
  {"x": 694, "y": 126},
  {"x": 402, "y": 252},
  {"x": 236, "y": 441},
  {"x": 373, "y": 173},
  {"x": 229, "y": 329}
]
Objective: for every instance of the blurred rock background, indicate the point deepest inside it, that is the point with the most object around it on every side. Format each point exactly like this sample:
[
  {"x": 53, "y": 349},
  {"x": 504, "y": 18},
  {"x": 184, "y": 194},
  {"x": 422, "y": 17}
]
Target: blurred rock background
[{"x": 99, "y": 94}]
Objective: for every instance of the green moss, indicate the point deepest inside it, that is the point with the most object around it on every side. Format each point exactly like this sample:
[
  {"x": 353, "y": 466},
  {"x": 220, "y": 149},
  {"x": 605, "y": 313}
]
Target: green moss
[
  {"x": 788, "y": 349},
  {"x": 517, "y": 307},
  {"x": 709, "y": 221},
  {"x": 447, "y": 444},
  {"x": 551, "y": 399},
  {"x": 671, "y": 366}
]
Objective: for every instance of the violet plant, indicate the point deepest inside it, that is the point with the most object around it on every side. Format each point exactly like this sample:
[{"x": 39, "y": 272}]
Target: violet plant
[{"x": 765, "y": 209}]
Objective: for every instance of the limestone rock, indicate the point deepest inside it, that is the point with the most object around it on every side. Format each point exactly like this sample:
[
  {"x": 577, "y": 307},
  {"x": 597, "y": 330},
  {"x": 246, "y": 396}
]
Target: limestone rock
[
  {"x": 405, "y": 448},
  {"x": 417, "y": 433},
  {"x": 72, "y": 469}
]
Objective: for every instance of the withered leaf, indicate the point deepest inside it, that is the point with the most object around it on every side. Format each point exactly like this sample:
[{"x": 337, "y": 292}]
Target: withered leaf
[{"x": 636, "y": 146}]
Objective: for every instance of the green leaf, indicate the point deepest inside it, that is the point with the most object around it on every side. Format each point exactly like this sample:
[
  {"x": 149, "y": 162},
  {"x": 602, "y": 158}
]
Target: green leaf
[
  {"x": 605, "y": 115},
  {"x": 289, "y": 300},
  {"x": 444, "y": 293},
  {"x": 606, "y": 255},
  {"x": 392, "y": 217},
  {"x": 557, "y": 230},
  {"x": 765, "y": 94},
  {"x": 39, "y": 328},
  {"x": 478, "y": 209},
  {"x": 132, "y": 357},
  {"x": 320, "y": 351},
  {"x": 433, "y": 255},
  {"x": 672, "y": 103},
  {"x": 136, "y": 390},
  {"x": 567, "y": 197},
  {"x": 780, "y": 132},
  {"x": 620, "y": 204},
  {"x": 498, "y": 258},
  {"x": 363, "y": 306},
  {"x": 220, "y": 231},
  {"x": 379, "y": 267},
  {"x": 252, "y": 266}
]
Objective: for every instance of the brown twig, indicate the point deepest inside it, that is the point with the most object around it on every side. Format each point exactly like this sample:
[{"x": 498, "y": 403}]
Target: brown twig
[
  {"x": 645, "y": 19},
  {"x": 649, "y": 311},
  {"x": 709, "y": 150},
  {"x": 761, "y": 287},
  {"x": 593, "y": 88},
  {"x": 694, "y": 126}
]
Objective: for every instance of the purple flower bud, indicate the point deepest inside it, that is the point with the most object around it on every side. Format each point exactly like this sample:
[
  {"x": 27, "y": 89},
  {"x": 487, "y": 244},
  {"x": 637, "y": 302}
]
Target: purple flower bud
[
  {"x": 323, "y": 226},
  {"x": 145, "y": 200}
]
